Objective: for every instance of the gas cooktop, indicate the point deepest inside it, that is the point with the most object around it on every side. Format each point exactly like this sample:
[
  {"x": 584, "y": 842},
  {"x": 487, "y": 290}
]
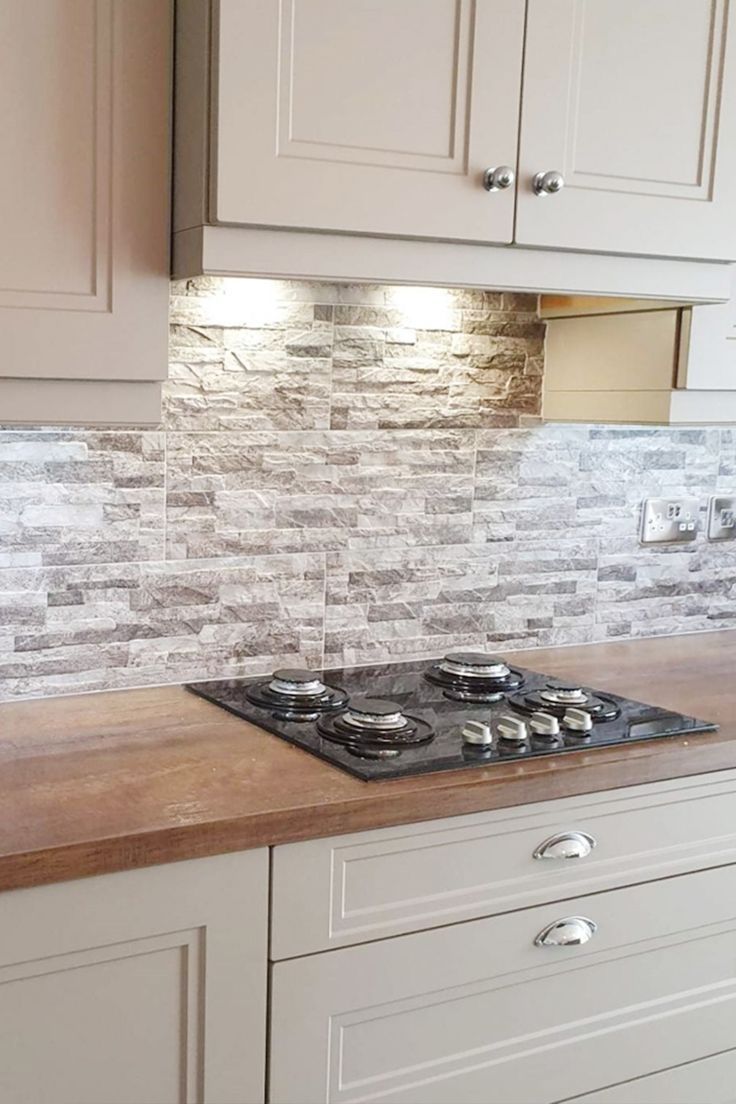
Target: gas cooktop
[{"x": 467, "y": 709}]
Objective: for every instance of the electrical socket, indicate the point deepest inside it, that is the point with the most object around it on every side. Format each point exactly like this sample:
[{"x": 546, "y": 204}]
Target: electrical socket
[
  {"x": 722, "y": 517},
  {"x": 669, "y": 520}
]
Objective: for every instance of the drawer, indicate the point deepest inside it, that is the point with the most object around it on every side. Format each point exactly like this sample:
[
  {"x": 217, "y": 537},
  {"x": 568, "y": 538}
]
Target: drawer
[
  {"x": 351, "y": 889},
  {"x": 477, "y": 1013}
]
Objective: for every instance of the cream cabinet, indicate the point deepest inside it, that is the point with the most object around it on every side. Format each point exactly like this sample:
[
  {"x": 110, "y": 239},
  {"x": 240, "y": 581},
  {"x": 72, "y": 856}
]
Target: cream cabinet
[
  {"x": 435, "y": 126},
  {"x": 84, "y": 209},
  {"x": 373, "y": 117},
  {"x": 143, "y": 987}
]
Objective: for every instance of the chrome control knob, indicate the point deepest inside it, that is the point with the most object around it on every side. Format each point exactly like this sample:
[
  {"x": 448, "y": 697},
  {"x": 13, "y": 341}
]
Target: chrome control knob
[
  {"x": 572, "y": 931},
  {"x": 498, "y": 178},
  {"x": 578, "y": 720},
  {"x": 477, "y": 734},
  {"x": 548, "y": 183},
  {"x": 512, "y": 731},
  {"x": 544, "y": 726},
  {"x": 566, "y": 845}
]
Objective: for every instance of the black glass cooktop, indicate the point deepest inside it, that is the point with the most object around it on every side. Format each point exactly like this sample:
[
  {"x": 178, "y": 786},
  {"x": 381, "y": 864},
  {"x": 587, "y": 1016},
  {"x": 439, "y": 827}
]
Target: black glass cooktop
[{"x": 410, "y": 718}]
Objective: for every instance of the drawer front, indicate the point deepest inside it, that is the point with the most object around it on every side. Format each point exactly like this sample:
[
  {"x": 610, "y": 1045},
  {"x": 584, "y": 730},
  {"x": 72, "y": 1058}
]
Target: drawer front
[
  {"x": 351, "y": 889},
  {"x": 711, "y": 1079},
  {"x": 479, "y": 1014}
]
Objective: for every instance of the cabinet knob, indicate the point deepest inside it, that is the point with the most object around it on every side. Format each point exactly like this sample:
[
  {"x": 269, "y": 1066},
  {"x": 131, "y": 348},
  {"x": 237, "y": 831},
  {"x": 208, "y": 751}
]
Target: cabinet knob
[
  {"x": 548, "y": 183},
  {"x": 498, "y": 178},
  {"x": 566, "y": 845},
  {"x": 571, "y": 931}
]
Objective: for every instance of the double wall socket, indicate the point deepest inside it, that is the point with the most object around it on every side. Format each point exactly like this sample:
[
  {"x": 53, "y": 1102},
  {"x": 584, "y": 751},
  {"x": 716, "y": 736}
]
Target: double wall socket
[
  {"x": 722, "y": 518},
  {"x": 669, "y": 520},
  {"x": 675, "y": 520}
]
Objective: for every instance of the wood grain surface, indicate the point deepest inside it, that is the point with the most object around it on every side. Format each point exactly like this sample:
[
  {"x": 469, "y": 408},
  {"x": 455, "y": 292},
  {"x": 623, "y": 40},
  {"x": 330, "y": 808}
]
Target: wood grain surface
[{"x": 112, "y": 781}]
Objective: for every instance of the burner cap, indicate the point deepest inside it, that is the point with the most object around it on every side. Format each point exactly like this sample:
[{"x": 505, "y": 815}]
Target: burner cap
[
  {"x": 374, "y": 713},
  {"x": 472, "y": 659},
  {"x": 294, "y": 674},
  {"x": 564, "y": 694},
  {"x": 292, "y": 682},
  {"x": 374, "y": 707},
  {"x": 474, "y": 665},
  {"x": 295, "y": 688}
]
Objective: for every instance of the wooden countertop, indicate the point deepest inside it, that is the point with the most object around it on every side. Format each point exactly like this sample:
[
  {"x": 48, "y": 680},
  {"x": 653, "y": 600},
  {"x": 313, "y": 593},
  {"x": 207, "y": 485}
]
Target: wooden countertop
[{"x": 111, "y": 781}]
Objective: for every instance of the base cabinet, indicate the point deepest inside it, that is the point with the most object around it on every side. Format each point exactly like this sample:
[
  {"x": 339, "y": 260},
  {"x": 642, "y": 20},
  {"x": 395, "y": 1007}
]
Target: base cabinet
[
  {"x": 144, "y": 987},
  {"x": 481, "y": 1013}
]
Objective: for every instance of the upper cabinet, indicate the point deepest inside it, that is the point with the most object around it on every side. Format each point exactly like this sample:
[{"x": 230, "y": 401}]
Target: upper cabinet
[
  {"x": 84, "y": 209},
  {"x": 372, "y": 117},
  {"x": 630, "y": 106},
  {"x": 599, "y": 126}
]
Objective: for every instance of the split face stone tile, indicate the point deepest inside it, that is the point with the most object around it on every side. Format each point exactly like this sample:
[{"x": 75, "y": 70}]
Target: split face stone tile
[
  {"x": 142, "y": 624},
  {"x": 383, "y": 606},
  {"x": 237, "y": 494},
  {"x": 80, "y": 497}
]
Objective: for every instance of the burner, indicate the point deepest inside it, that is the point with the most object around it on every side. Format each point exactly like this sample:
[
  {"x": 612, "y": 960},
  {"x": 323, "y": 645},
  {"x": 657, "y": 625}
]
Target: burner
[
  {"x": 295, "y": 693},
  {"x": 371, "y": 725},
  {"x": 556, "y": 699},
  {"x": 474, "y": 677}
]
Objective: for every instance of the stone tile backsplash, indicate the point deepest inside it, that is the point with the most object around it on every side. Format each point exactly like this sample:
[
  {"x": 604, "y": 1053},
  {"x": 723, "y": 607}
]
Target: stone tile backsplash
[{"x": 344, "y": 474}]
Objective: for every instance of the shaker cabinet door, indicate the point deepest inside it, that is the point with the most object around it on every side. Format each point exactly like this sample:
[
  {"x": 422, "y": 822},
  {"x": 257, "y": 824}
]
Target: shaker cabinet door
[
  {"x": 371, "y": 116},
  {"x": 635, "y": 105},
  {"x": 141, "y": 987},
  {"x": 84, "y": 209}
]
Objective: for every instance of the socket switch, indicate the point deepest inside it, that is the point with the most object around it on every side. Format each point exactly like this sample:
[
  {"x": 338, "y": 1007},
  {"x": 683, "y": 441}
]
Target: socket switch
[
  {"x": 722, "y": 517},
  {"x": 669, "y": 520}
]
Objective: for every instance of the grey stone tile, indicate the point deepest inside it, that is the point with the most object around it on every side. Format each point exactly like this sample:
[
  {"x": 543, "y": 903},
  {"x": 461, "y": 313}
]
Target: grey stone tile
[
  {"x": 651, "y": 590},
  {"x": 234, "y": 494},
  {"x": 80, "y": 497},
  {"x": 390, "y": 605},
  {"x": 141, "y": 624}
]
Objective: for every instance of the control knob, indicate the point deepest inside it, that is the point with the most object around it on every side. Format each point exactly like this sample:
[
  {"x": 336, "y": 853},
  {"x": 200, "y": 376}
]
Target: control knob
[
  {"x": 477, "y": 734},
  {"x": 578, "y": 720},
  {"x": 512, "y": 731},
  {"x": 544, "y": 726}
]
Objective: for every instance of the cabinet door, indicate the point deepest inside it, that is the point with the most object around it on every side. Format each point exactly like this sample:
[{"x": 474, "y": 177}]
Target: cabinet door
[
  {"x": 370, "y": 116},
  {"x": 84, "y": 120},
  {"x": 145, "y": 987},
  {"x": 635, "y": 104},
  {"x": 477, "y": 1013}
]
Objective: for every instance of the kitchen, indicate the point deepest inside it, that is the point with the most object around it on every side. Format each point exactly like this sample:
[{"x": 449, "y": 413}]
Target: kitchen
[{"x": 368, "y": 483}]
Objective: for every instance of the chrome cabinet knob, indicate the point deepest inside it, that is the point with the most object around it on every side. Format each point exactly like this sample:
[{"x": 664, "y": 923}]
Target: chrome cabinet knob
[
  {"x": 566, "y": 845},
  {"x": 548, "y": 183},
  {"x": 498, "y": 178},
  {"x": 571, "y": 931}
]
